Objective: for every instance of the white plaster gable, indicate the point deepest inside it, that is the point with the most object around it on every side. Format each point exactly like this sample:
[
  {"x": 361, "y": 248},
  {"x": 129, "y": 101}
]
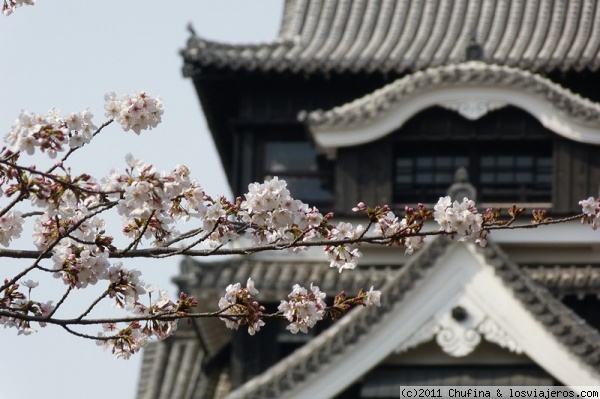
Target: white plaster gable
[
  {"x": 471, "y": 102},
  {"x": 461, "y": 277}
]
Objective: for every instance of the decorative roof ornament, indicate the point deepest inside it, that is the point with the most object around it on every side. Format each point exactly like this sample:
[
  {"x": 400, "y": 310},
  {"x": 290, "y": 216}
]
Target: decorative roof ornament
[
  {"x": 473, "y": 109},
  {"x": 474, "y": 50},
  {"x": 461, "y": 187},
  {"x": 190, "y": 28}
]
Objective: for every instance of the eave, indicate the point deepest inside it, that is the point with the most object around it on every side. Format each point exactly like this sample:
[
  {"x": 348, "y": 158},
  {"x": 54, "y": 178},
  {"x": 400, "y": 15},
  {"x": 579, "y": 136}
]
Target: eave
[
  {"x": 391, "y": 36},
  {"x": 472, "y": 89}
]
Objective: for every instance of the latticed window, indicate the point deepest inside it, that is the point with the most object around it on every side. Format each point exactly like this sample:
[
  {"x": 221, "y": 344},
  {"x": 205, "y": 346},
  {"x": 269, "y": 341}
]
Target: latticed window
[
  {"x": 526, "y": 177},
  {"x": 308, "y": 175},
  {"x": 501, "y": 172}
]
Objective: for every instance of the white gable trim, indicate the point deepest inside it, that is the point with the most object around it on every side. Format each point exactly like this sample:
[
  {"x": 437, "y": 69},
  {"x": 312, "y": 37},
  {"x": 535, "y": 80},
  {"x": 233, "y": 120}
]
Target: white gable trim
[
  {"x": 468, "y": 100},
  {"x": 460, "y": 277}
]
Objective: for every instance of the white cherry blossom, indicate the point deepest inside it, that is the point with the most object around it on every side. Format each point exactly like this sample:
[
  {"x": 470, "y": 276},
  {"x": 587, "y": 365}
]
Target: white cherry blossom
[
  {"x": 304, "y": 308},
  {"x": 373, "y": 297},
  {"x": 135, "y": 112},
  {"x": 11, "y": 227},
  {"x": 461, "y": 218}
]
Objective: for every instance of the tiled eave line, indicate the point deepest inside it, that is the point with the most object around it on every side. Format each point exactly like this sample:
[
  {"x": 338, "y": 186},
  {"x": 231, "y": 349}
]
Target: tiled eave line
[
  {"x": 277, "y": 278},
  {"x": 200, "y": 52},
  {"x": 387, "y": 36},
  {"x": 573, "y": 280},
  {"x": 473, "y": 73},
  {"x": 561, "y": 321}
]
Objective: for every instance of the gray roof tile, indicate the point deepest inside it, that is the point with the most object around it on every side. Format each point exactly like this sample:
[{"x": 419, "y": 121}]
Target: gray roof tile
[
  {"x": 567, "y": 280},
  {"x": 399, "y": 36},
  {"x": 275, "y": 279}
]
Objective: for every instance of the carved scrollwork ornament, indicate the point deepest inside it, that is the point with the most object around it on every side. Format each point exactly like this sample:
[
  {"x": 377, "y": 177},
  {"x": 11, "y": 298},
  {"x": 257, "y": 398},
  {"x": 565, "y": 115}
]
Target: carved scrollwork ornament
[
  {"x": 473, "y": 109},
  {"x": 457, "y": 341},
  {"x": 492, "y": 332}
]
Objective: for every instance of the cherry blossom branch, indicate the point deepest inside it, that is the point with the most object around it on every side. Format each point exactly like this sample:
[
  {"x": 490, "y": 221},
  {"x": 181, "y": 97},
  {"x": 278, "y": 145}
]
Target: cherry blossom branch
[
  {"x": 380, "y": 240},
  {"x": 57, "y": 179},
  {"x": 70, "y": 231},
  {"x": 169, "y": 316},
  {"x": 46, "y": 252},
  {"x": 72, "y": 150}
]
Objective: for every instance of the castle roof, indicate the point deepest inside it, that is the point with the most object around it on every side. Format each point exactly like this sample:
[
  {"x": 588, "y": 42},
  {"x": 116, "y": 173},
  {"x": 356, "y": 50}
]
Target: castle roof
[{"x": 391, "y": 36}]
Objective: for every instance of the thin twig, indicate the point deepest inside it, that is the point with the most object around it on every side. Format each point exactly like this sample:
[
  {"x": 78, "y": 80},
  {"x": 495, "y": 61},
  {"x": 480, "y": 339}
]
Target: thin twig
[
  {"x": 92, "y": 305},
  {"x": 57, "y": 179},
  {"x": 14, "y": 202},
  {"x": 62, "y": 300},
  {"x": 137, "y": 240},
  {"x": 72, "y": 150}
]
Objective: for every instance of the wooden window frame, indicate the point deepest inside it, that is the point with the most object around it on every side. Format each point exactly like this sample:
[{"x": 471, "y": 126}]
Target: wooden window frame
[{"x": 539, "y": 152}]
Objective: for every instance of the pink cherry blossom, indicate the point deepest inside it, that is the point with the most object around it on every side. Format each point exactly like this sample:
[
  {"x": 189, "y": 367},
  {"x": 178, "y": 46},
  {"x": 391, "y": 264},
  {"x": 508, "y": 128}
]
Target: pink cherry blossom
[
  {"x": 460, "y": 218},
  {"x": 304, "y": 308},
  {"x": 135, "y": 112},
  {"x": 241, "y": 308}
]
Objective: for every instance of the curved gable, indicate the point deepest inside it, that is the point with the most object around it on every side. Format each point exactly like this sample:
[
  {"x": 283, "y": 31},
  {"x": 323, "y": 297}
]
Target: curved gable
[{"x": 472, "y": 89}]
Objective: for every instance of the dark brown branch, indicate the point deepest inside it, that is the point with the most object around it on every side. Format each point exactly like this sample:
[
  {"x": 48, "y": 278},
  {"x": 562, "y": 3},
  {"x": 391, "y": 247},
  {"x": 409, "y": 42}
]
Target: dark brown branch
[
  {"x": 138, "y": 239},
  {"x": 14, "y": 202},
  {"x": 86, "y": 322},
  {"x": 167, "y": 251},
  {"x": 62, "y": 300},
  {"x": 46, "y": 253}
]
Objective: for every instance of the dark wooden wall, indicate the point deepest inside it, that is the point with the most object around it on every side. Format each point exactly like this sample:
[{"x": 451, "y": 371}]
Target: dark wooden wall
[
  {"x": 363, "y": 173},
  {"x": 243, "y": 107},
  {"x": 576, "y": 176}
]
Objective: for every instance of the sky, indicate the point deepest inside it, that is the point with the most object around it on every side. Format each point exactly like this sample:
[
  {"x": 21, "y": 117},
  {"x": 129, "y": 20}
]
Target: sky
[{"x": 68, "y": 54}]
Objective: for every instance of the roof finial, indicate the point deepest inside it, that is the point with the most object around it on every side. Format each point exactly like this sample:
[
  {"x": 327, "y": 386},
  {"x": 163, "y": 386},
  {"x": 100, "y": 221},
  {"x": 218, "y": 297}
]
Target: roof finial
[
  {"x": 474, "y": 50},
  {"x": 191, "y": 29},
  {"x": 461, "y": 187}
]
